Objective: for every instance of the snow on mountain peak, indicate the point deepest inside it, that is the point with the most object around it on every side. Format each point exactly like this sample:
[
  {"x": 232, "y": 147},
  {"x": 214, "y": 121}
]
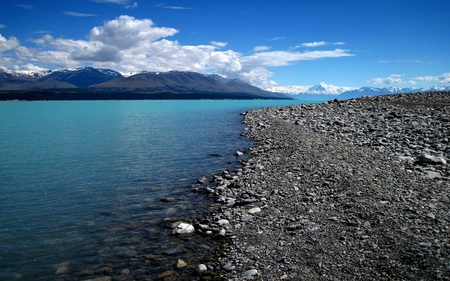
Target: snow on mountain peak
[{"x": 320, "y": 89}]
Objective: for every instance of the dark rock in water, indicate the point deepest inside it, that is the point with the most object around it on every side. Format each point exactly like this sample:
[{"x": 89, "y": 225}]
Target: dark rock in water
[
  {"x": 202, "y": 180},
  {"x": 215, "y": 155},
  {"x": 165, "y": 274},
  {"x": 167, "y": 199},
  {"x": 172, "y": 222}
]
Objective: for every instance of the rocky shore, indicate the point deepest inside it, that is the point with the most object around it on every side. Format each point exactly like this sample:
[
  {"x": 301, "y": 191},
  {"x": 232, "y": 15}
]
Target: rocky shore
[{"x": 344, "y": 190}]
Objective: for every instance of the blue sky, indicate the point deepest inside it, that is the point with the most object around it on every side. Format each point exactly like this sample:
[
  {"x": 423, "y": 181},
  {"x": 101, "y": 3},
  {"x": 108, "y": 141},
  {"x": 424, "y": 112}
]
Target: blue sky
[{"x": 403, "y": 43}]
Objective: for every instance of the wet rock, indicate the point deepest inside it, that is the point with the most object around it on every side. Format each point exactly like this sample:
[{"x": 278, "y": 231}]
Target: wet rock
[
  {"x": 184, "y": 228},
  {"x": 181, "y": 263},
  {"x": 200, "y": 269},
  {"x": 165, "y": 274},
  {"x": 62, "y": 268}
]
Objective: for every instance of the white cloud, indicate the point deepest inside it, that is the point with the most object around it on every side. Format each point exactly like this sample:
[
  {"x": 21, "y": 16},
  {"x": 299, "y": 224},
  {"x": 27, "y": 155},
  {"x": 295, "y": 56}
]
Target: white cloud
[
  {"x": 172, "y": 7},
  {"x": 128, "y": 44},
  {"x": 277, "y": 38},
  {"x": 127, "y": 32},
  {"x": 283, "y": 58},
  {"x": 397, "y": 79},
  {"x": 25, "y": 6},
  {"x": 125, "y": 3},
  {"x": 8, "y": 44},
  {"x": 403, "y": 61},
  {"x": 261, "y": 48},
  {"x": 313, "y": 44},
  {"x": 258, "y": 76},
  {"x": 76, "y": 14},
  {"x": 442, "y": 79},
  {"x": 219, "y": 44},
  {"x": 391, "y": 79},
  {"x": 319, "y": 44},
  {"x": 2, "y": 25}
]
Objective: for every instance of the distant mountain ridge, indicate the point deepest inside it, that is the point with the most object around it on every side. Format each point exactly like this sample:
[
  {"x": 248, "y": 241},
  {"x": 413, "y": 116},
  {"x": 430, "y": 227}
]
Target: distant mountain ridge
[
  {"x": 96, "y": 83},
  {"x": 323, "y": 92},
  {"x": 82, "y": 76}
]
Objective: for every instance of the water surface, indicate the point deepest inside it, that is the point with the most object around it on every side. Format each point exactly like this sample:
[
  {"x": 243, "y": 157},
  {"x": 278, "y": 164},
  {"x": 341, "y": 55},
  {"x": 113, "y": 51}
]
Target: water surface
[{"x": 81, "y": 182}]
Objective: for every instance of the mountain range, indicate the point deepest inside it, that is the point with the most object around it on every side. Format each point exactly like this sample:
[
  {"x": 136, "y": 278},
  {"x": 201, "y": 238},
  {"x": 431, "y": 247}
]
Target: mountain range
[
  {"x": 96, "y": 83},
  {"x": 324, "y": 92},
  {"x": 87, "y": 83}
]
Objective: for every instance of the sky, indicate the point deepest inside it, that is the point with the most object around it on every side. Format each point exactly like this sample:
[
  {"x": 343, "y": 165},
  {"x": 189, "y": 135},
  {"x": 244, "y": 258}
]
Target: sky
[{"x": 381, "y": 43}]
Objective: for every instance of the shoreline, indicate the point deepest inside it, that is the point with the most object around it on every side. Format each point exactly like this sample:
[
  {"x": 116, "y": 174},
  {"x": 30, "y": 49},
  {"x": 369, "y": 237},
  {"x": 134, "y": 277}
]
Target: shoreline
[{"x": 354, "y": 189}]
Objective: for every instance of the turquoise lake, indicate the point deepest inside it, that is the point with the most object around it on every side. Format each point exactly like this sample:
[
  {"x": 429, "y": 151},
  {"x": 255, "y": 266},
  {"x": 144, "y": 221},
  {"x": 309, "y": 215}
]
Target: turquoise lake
[{"x": 81, "y": 182}]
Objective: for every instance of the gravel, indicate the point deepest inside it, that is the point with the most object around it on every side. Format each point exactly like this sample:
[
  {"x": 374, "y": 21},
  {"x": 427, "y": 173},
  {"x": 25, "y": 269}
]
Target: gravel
[{"x": 343, "y": 190}]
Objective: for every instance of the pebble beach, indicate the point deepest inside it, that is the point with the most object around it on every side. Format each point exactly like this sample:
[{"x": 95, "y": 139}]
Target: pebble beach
[{"x": 343, "y": 190}]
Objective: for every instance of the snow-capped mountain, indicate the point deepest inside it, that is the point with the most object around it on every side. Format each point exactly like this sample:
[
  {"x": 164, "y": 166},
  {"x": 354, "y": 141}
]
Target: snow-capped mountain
[
  {"x": 93, "y": 83},
  {"x": 323, "y": 88},
  {"x": 23, "y": 74},
  {"x": 319, "y": 89},
  {"x": 323, "y": 91},
  {"x": 82, "y": 76}
]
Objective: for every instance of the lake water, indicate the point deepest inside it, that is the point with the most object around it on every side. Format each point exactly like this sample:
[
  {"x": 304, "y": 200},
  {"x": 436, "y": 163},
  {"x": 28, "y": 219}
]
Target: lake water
[{"x": 81, "y": 182}]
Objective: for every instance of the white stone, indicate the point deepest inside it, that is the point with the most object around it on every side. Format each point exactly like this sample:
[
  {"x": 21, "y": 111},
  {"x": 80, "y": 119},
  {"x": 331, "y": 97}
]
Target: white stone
[
  {"x": 200, "y": 268},
  {"x": 223, "y": 222},
  {"x": 184, "y": 228},
  {"x": 254, "y": 210},
  {"x": 250, "y": 273}
]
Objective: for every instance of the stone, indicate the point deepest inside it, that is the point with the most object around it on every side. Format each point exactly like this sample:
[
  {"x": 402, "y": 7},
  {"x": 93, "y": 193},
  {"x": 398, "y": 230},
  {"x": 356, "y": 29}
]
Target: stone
[
  {"x": 223, "y": 222},
  {"x": 200, "y": 269},
  {"x": 184, "y": 228},
  {"x": 250, "y": 273},
  {"x": 62, "y": 268},
  {"x": 181, "y": 263},
  {"x": 239, "y": 153},
  {"x": 166, "y": 274},
  {"x": 432, "y": 175},
  {"x": 125, "y": 271},
  {"x": 103, "y": 278},
  {"x": 202, "y": 180},
  {"x": 254, "y": 210},
  {"x": 426, "y": 158}
]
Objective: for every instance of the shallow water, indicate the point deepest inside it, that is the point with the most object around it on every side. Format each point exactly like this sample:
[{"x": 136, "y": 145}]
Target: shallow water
[{"x": 81, "y": 182}]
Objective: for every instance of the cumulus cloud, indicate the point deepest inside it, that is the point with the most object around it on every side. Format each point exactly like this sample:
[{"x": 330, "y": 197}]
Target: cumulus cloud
[
  {"x": 127, "y": 32},
  {"x": 2, "y": 25},
  {"x": 128, "y": 44},
  {"x": 8, "y": 44},
  {"x": 259, "y": 76}
]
